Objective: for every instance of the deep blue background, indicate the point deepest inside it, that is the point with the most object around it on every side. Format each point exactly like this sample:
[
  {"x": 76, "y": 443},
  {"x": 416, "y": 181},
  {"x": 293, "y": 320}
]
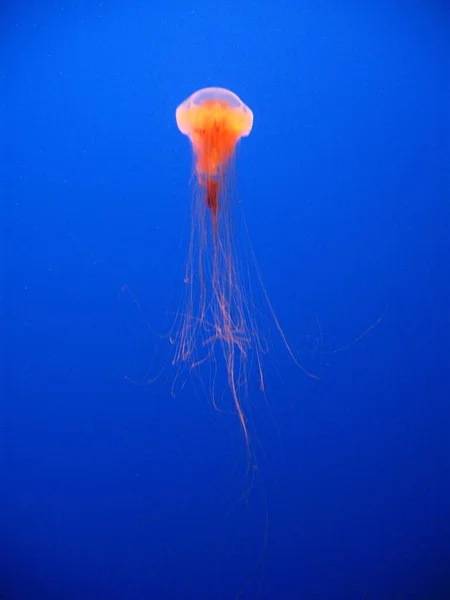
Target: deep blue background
[{"x": 120, "y": 491}]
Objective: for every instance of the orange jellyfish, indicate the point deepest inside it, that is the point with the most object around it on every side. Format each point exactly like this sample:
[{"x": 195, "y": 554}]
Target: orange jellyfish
[
  {"x": 216, "y": 312},
  {"x": 219, "y": 316}
]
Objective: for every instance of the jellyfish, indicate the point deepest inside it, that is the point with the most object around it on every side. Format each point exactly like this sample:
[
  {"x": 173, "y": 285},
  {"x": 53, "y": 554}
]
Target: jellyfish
[
  {"x": 217, "y": 313},
  {"x": 219, "y": 316}
]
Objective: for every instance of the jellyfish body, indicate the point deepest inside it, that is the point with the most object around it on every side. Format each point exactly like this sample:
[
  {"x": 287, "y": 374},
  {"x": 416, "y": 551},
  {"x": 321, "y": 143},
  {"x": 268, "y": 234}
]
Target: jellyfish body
[
  {"x": 219, "y": 319},
  {"x": 214, "y": 119},
  {"x": 215, "y": 326}
]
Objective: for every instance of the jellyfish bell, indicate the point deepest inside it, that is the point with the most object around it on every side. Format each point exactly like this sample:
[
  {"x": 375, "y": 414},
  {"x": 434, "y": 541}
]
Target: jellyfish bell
[{"x": 214, "y": 119}]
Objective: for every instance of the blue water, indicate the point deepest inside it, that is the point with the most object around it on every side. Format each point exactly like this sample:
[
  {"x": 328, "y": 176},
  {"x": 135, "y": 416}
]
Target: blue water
[{"x": 111, "y": 488}]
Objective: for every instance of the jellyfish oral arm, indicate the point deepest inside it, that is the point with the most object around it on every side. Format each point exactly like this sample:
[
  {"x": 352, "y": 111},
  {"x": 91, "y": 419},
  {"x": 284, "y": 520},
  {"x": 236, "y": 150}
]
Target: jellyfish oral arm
[{"x": 212, "y": 195}]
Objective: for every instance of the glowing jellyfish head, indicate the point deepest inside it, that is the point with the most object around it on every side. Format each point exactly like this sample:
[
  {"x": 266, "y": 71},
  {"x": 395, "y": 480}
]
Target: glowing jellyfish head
[{"x": 214, "y": 119}]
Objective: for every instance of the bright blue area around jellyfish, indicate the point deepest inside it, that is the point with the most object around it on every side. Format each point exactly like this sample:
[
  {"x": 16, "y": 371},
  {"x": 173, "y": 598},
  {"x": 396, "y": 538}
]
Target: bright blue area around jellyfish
[{"x": 112, "y": 487}]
